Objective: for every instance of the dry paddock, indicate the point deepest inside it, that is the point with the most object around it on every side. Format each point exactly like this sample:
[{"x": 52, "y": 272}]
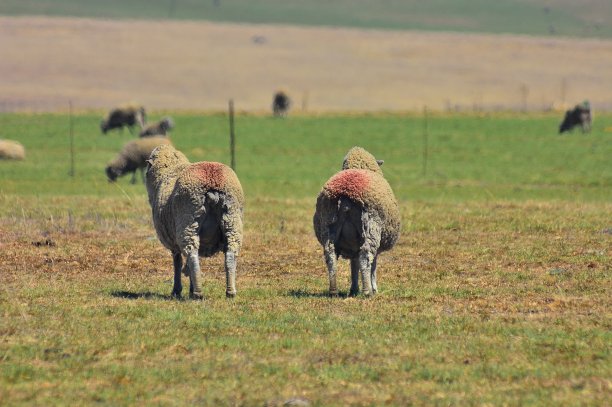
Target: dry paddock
[{"x": 200, "y": 65}]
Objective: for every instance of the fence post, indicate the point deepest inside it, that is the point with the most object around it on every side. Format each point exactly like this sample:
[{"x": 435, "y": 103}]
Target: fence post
[
  {"x": 232, "y": 134},
  {"x": 71, "y": 173},
  {"x": 425, "y": 140}
]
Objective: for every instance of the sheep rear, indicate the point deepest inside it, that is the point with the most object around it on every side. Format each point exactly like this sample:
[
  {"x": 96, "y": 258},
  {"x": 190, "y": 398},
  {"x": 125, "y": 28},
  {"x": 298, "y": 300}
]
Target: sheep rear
[
  {"x": 349, "y": 228},
  {"x": 210, "y": 225}
]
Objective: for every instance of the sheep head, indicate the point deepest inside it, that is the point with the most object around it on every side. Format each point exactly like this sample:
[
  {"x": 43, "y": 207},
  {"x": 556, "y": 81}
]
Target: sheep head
[{"x": 359, "y": 158}]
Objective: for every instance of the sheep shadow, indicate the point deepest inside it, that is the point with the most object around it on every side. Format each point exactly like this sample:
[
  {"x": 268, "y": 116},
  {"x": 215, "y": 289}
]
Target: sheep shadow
[
  {"x": 128, "y": 295},
  {"x": 307, "y": 294}
]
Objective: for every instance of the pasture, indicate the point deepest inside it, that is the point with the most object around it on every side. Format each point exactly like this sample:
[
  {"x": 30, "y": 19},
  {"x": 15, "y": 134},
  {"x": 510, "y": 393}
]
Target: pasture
[{"x": 498, "y": 291}]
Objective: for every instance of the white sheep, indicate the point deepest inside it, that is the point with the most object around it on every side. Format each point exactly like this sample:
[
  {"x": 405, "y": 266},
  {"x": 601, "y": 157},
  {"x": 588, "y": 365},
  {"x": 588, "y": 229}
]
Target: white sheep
[
  {"x": 356, "y": 217},
  {"x": 161, "y": 128},
  {"x": 133, "y": 156},
  {"x": 11, "y": 150},
  {"x": 197, "y": 211},
  {"x": 128, "y": 115}
]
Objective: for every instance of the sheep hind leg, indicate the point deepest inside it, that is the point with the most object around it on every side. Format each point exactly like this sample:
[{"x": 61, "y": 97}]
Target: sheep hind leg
[
  {"x": 373, "y": 275},
  {"x": 354, "y": 277},
  {"x": 195, "y": 276},
  {"x": 230, "y": 274},
  {"x": 365, "y": 266},
  {"x": 331, "y": 260},
  {"x": 178, "y": 285}
]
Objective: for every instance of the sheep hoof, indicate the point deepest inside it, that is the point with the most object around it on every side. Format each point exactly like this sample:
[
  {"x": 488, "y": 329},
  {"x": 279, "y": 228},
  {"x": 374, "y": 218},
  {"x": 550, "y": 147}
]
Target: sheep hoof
[
  {"x": 353, "y": 293},
  {"x": 230, "y": 294},
  {"x": 196, "y": 296},
  {"x": 176, "y": 295},
  {"x": 333, "y": 293}
]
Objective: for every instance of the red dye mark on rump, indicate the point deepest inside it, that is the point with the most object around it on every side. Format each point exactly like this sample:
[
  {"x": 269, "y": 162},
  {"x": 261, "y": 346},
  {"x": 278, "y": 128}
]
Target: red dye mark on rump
[
  {"x": 351, "y": 183},
  {"x": 210, "y": 174}
]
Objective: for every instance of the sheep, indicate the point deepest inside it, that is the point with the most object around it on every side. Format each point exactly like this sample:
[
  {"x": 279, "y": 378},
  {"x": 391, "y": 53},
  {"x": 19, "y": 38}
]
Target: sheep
[
  {"x": 133, "y": 156},
  {"x": 280, "y": 104},
  {"x": 356, "y": 217},
  {"x": 580, "y": 115},
  {"x": 197, "y": 211},
  {"x": 127, "y": 115},
  {"x": 11, "y": 150},
  {"x": 161, "y": 128}
]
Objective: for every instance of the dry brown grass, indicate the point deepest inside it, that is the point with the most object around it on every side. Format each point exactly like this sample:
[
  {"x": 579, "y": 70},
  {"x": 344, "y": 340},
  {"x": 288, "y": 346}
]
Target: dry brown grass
[{"x": 200, "y": 65}]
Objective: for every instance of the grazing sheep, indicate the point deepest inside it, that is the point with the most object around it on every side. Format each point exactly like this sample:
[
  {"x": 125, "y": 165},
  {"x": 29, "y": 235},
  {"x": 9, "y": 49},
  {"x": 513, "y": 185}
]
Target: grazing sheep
[
  {"x": 356, "y": 217},
  {"x": 133, "y": 156},
  {"x": 197, "y": 211},
  {"x": 280, "y": 104},
  {"x": 580, "y": 115},
  {"x": 124, "y": 116},
  {"x": 11, "y": 150},
  {"x": 161, "y": 128}
]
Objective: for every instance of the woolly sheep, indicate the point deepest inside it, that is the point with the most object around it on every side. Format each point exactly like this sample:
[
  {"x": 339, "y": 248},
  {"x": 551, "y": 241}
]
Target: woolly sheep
[
  {"x": 580, "y": 115},
  {"x": 161, "y": 128},
  {"x": 197, "y": 211},
  {"x": 11, "y": 150},
  {"x": 124, "y": 116},
  {"x": 356, "y": 217},
  {"x": 133, "y": 156},
  {"x": 280, "y": 104}
]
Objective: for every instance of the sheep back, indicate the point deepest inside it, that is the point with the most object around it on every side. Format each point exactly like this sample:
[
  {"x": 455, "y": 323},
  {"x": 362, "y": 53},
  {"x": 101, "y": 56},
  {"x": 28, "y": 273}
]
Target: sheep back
[
  {"x": 371, "y": 191},
  {"x": 11, "y": 150},
  {"x": 197, "y": 179}
]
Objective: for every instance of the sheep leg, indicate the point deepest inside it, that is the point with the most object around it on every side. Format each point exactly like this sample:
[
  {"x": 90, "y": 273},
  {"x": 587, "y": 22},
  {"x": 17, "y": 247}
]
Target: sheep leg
[
  {"x": 195, "y": 276},
  {"x": 230, "y": 274},
  {"x": 373, "y": 274},
  {"x": 365, "y": 266},
  {"x": 178, "y": 264},
  {"x": 133, "y": 181},
  {"x": 330, "y": 260},
  {"x": 354, "y": 277}
]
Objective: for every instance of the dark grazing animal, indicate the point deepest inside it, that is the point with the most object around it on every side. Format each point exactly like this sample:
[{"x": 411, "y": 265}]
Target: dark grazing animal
[
  {"x": 124, "y": 116},
  {"x": 280, "y": 104},
  {"x": 161, "y": 128},
  {"x": 580, "y": 115}
]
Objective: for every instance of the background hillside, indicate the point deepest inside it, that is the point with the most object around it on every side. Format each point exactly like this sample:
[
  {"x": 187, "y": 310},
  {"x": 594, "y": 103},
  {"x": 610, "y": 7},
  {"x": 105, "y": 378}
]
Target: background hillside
[{"x": 585, "y": 18}]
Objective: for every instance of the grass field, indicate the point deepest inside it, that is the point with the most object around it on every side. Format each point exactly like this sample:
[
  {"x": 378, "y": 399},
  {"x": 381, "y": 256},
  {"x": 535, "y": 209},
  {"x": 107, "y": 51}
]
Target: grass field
[
  {"x": 498, "y": 291},
  {"x": 590, "y": 18}
]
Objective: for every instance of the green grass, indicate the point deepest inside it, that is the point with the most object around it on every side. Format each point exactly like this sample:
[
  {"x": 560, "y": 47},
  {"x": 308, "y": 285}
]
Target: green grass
[
  {"x": 469, "y": 157},
  {"x": 567, "y": 18},
  {"x": 498, "y": 291}
]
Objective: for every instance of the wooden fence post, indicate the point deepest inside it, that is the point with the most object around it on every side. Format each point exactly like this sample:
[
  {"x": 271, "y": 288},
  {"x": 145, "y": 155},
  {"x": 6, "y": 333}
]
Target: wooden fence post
[{"x": 71, "y": 173}]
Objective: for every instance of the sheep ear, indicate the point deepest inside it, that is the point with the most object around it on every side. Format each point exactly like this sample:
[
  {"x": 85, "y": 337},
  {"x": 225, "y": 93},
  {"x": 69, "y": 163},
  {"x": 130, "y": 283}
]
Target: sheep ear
[{"x": 380, "y": 162}]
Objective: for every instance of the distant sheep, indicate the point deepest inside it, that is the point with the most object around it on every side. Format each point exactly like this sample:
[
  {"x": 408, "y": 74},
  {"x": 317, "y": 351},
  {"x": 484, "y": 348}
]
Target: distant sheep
[
  {"x": 11, "y": 150},
  {"x": 580, "y": 115},
  {"x": 133, "y": 156},
  {"x": 124, "y": 116},
  {"x": 356, "y": 217},
  {"x": 197, "y": 211},
  {"x": 280, "y": 104},
  {"x": 161, "y": 128}
]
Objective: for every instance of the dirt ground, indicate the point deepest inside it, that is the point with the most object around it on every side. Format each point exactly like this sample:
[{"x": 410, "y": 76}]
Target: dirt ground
[{"x": 198, "y": 66}]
